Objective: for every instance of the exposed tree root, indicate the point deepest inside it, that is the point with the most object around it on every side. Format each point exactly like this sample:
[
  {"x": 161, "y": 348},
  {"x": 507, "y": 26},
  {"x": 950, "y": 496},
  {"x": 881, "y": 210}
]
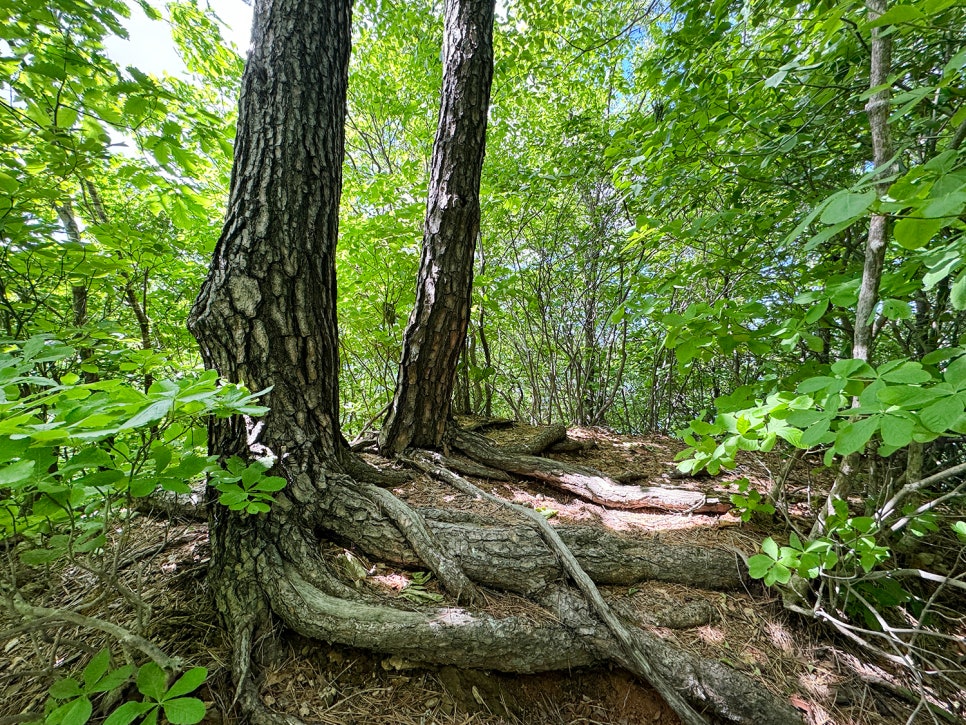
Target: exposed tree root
[
  {"x": 586, "y": 483},
  {"x": 414, "y": 528},
  {"x": 273, "y": 565},
  {"x": 631, "y": 652},
  {"x": 326, "y": 609},
  {"x": 471, "y": 468},
  {"x": 547, "y": 436},
  {"x": 514, "y": 558}
]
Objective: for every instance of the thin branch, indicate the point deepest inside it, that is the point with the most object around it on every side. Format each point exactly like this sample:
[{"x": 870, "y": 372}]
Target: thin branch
[{"x": 45, "y": 616}]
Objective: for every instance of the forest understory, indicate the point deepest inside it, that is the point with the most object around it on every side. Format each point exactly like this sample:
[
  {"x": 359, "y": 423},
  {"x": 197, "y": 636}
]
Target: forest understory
[{"x": 717, "y": 615}]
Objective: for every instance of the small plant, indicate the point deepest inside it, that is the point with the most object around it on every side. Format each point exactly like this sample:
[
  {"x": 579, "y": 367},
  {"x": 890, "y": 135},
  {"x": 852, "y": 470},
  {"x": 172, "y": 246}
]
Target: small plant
[
  {"x": 152, "y": 683},
  {"x": 749, "y": 502},
  {"x": 74, "y": 697},
  {"x": 415, "y": 591},
  {"x": 75, "y": 706},
  {"x": 246, "y": 487}
]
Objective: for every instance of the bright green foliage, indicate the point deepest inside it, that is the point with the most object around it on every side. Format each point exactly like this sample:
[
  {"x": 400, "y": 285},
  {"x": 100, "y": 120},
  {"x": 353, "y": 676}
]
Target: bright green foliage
[
  {"x": 675, "y": 204},
  {"x": 848, "y": 555},
  {"x": 416, "y": 590},
  {"x": 71, "y": 452},
  {"x": 901, "y": 402},
  {"x": 70, "y": 700},
  {"x": 748, "y": 501},
  {"x": 246, "y": 487}
]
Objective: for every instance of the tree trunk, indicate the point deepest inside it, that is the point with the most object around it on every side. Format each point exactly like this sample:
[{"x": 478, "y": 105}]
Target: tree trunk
[
  {"x": 266, "y": 313},
  {"x": 877, "y": 109},
  {"x": 437, "y": 327}
]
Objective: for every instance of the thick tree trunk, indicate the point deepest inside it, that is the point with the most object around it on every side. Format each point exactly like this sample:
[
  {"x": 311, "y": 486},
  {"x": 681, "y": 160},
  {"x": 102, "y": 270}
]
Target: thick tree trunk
[
  {"x": 437, "y": 326},
  {"x": 266, "y": 314}
]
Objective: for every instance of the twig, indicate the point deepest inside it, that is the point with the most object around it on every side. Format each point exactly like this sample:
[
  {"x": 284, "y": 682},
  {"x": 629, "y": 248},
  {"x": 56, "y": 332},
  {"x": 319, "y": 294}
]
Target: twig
[
  {"x": 47, "y": 615},
  {"x": 911, "y": 488}
]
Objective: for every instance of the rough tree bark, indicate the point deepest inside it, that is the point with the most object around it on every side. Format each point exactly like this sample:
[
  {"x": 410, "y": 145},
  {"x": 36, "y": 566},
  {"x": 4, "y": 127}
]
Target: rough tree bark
[
  {"x": 265, "y": 317},
  {"x": 437, "y": 327}
]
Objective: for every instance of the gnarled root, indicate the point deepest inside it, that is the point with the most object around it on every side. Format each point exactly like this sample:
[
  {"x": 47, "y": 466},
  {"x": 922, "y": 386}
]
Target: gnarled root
[{"x": 586, "y": 483}]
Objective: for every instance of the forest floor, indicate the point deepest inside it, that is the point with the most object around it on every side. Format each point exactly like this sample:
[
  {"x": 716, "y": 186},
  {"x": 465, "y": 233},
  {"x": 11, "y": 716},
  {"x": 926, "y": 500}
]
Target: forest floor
[{"x": 830, "y": 680}]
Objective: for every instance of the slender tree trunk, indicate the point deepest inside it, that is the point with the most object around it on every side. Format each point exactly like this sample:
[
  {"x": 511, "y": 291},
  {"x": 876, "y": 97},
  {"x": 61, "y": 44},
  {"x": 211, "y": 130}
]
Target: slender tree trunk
[
  {"x": 877, "y": 109},
  {"x": 437, "y": 327},
  {"x": 78, "y": 292}
]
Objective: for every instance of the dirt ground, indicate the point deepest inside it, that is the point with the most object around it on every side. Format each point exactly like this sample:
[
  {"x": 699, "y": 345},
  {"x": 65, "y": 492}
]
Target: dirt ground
[{"x": 829, "y": 680}]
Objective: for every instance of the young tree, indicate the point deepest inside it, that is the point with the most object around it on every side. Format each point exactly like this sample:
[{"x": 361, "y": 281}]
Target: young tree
[{"x": 437, "y": 327}]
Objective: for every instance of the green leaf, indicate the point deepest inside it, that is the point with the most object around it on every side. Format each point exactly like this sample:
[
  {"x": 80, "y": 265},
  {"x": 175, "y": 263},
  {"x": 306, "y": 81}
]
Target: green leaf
[
  {"x": 947, "y": 206},
  {"x": 957, "y": 294},
  {"x": 8, "y": 184},
  {"x": 816, "y": 312},
  {"x": 852, "y": 368},
  {"x": 233, "y": 497},
  {"x": 907, "y": 396},
  {"x": 910, "y": 373},
  {"x": 852, "y": 437},
  {"x": 816, "y": 433},
  {"x": 152, "y": 414},
  {"x": 769, "y": 547},
  {"x": 915, "y": 232},
  {"x": 779, "y": 573},
  {"x": 184, "y": 711},
  {"x": 37, "y": 557},
  {"x": 97, "y": 667},
  {"x": 188, "y": 682},
  {"x": 896, "y": 431},
  {"x": 271, "y": 484},
  {"x": 759, "y": 565},
  {"x": 143, "y": 486},
  {"x": 127, "y": 713},
  {"x": 162, "y": 456},
  {"x": 65, "y": 689},
  {"x": 896, "y": 310},
  {"x": 152, "y": 681},
  {"x": 897, "y": 14},
  {"x": 941, "y": 415},
  {"x": 955, "y": 373},
  {"x": 848, "y": 205},
  {"x": 775, "y": 80},
  {"x": 75, "y": 712},
  {"x": 16, "y": 472},
  {"x": 960, "y": 528},
  {"x": 113, "y": 679},
  {"x": 822, "y": 382}
]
